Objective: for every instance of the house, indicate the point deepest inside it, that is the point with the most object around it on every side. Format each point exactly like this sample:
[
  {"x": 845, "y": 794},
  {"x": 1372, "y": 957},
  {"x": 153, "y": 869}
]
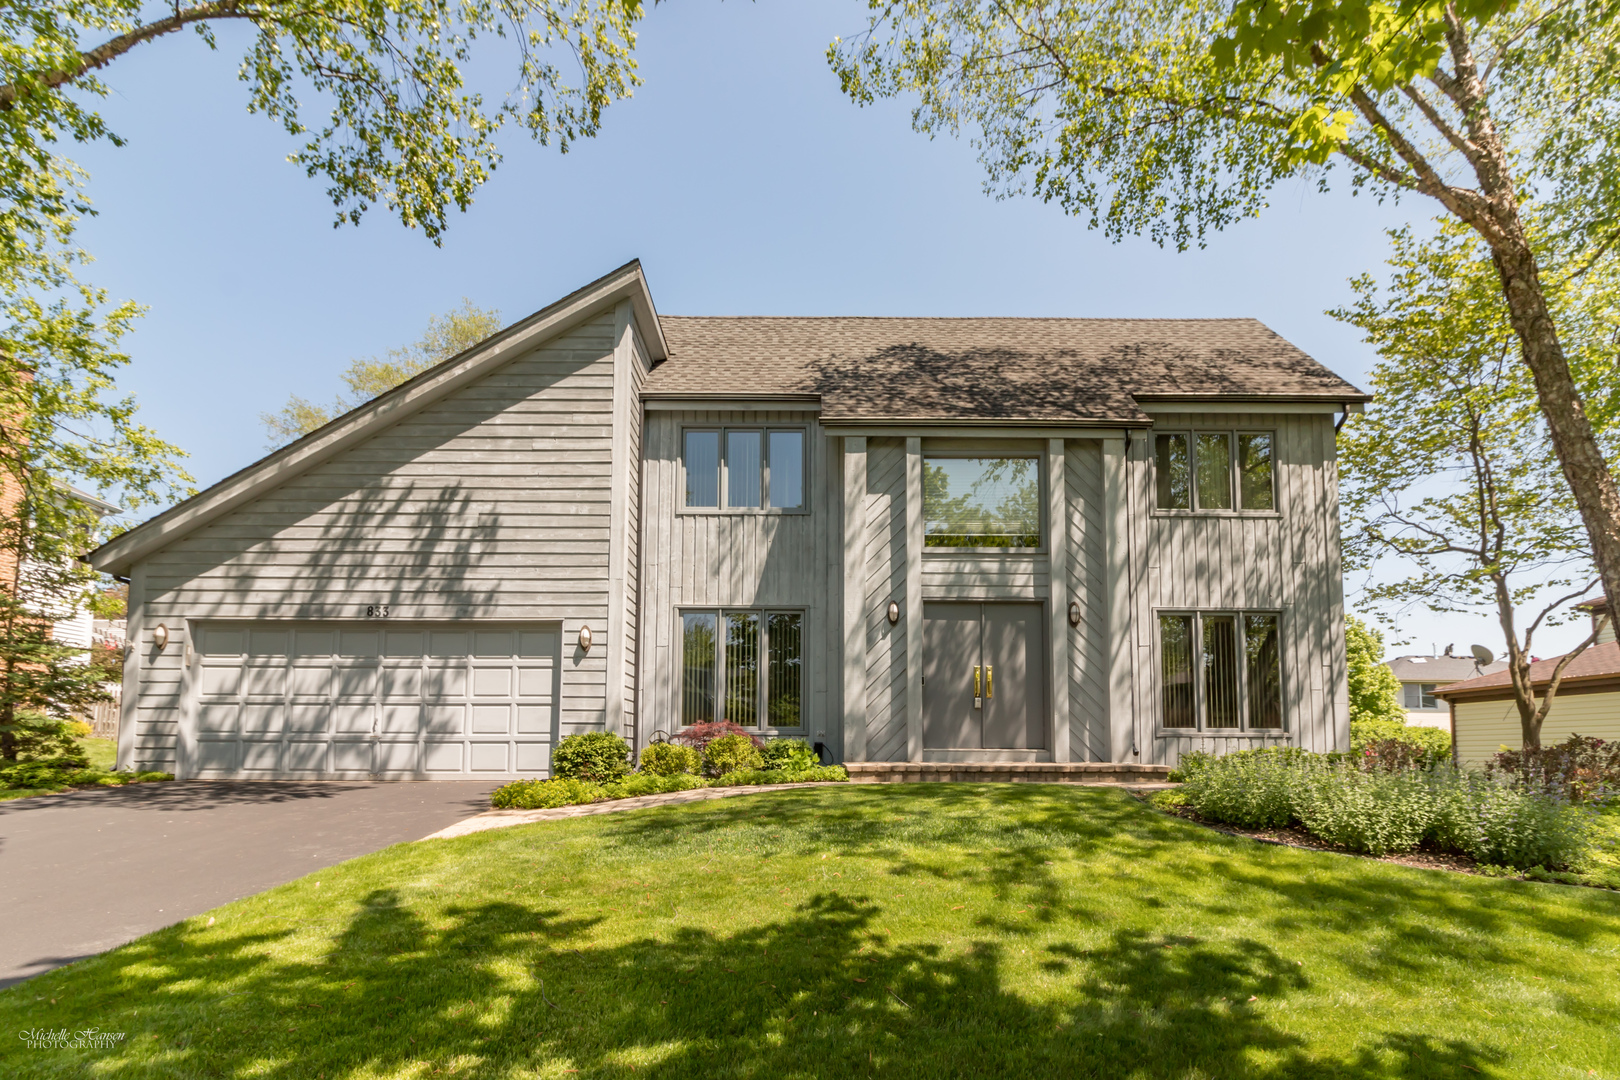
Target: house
[
  {"x": 76, "y": 623},
  {"x": 1421, "y": 676},
  {"x": 909, "y": 540},
  {"x": 1485, "y": 717}
]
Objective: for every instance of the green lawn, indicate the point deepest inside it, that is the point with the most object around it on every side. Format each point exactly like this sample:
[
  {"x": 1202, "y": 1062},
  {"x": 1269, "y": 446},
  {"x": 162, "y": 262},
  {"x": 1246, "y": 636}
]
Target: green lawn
[
  {"x": 103, "y": 754},
  {"x": 908, "y": 930}
]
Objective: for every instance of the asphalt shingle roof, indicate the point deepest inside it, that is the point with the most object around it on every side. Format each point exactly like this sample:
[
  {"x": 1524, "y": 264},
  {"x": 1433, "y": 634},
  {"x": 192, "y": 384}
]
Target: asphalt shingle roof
[
  {"x": 1597, "y": 662},
  {"x": 990, "y": 369},
  {"x": 1440, "y": 669}
]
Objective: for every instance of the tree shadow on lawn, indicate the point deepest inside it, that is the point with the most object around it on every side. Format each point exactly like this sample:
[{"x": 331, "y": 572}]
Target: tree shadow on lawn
[
  {"x": 509, "y": 987},
  {"x": 818, "y": 993}
]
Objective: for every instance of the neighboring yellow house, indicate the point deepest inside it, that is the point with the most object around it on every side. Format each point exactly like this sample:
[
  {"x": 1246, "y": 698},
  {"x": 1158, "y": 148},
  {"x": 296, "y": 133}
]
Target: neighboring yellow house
[{"x": 1485, "y": 720}]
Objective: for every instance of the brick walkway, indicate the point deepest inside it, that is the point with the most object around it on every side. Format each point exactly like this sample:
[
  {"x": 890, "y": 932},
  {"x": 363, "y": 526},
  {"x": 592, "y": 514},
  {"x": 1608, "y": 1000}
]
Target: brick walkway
[{"x": 502, "y": 819}]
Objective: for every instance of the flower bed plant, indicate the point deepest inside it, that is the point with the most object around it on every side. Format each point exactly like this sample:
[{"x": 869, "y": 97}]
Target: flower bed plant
[
  {"x": 1386, "y": 800},
  {"x": 729, "y": 758}
]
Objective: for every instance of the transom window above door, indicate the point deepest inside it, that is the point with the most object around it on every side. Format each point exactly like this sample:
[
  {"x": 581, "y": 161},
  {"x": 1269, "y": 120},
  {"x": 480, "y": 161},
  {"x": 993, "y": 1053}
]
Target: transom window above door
[
  {"x": 743, "y": 666},
  {"x": 744, "y": 469},
  {"x": 1220, "y": 671},
  {"x": 1217, "y": 471},
  {"x": 979, "y": 501}
]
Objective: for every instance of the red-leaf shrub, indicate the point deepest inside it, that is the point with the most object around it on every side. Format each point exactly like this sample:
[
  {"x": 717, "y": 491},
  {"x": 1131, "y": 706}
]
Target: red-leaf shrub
[
  {"x": 1581, "y": 769},
  {"x": 699, "y": 736}
]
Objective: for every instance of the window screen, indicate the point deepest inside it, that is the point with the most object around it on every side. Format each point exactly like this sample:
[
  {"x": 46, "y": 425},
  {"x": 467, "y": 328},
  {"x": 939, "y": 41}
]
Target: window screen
[
  {"x": 1263, "y": 660},
  {"x": 787, "y": 469},
  {"x": 1214, "y": 472},
  {"x": 981, "y": 502},
  {"x": 1254, "y": 472},
  {"x": 698, "y": 655},
  {"x": 744, "y": 469},
  {"x": 1220, "y": 671},
  {"x": 1174, "y": 478},
  {"x": 1175, "y": 653},
  {"x": 742, "y": 668},
  {"x": 702, "y": 468},
  {"x": 786, "y": 673}
]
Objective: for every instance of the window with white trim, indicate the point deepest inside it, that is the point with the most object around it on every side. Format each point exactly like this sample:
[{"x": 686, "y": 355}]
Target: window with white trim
[
  {"x": 1220, "y": 671},
  {"x": 743, "y": 665},
  {"x": 1215, "y": 471},
  {"x": 1420, "y": 695},
  {"x": 744, "y": 469}
]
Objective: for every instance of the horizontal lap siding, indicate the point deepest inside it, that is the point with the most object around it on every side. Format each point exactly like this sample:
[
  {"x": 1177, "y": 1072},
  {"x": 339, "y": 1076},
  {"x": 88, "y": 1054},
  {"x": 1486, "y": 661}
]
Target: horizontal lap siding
[
  {"x": 1288, "y": 563},
  {"x": 984, "y": 577},
  {"x": 1484, "y": 727},
  {"x": 700, "y": 560},
  {"x": 492, "y": 503}
]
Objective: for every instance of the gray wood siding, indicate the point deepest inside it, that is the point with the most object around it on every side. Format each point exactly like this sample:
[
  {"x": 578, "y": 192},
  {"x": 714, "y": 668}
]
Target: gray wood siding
[
  {"x": 708, "y": 559},
  {"x": 885, "y": 580},
  {"x": 634, "y": 426},
  {"x": 1288, "y": 562},
  {"x": 1088, "y": 643},
  {"x": 492, "y": 503}
]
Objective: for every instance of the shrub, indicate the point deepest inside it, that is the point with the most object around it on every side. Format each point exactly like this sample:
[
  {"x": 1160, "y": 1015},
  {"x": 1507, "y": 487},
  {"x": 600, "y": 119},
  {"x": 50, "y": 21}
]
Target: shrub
[
  {"x": 792, "y": 754},
  {"x": 699, "y": 736},
  {"x": 651, "y": 784},
  {"x": 39, "y": 737},
  {"x": 1372, "y": 811},
  {"x": 1497, "y": 822},
  {"x": 78, "y": 729},
  {"x": 1189, "y": 765},
  {"x": 1436, "y": 741},
  {"x": 812, "y": 774},
  {"x": 1399, "y": 755},
  {"x": 543, "y": 794},
  {"x": 670, "y": 759},
  {"x": 1252, "y": 788},
  {"x": 596, "y": 757},
  {"x": 1580, "y": 769},
  {"x": 729, "y": 753}
]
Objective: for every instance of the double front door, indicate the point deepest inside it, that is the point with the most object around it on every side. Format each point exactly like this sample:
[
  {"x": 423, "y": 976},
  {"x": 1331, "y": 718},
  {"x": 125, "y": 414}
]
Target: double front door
[{"x": 984, "y": 677}]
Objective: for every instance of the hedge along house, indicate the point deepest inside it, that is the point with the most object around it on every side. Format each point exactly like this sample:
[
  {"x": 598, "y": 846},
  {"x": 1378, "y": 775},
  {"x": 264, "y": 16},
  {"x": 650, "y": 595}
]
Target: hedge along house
[{"x": 912, "y": 540}]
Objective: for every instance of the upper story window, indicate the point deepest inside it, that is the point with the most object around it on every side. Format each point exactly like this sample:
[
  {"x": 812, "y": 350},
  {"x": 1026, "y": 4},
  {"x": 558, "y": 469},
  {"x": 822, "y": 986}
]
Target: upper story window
[
  {"x": 981, "y": 502},
  {"x": 745, "y": 468},
  {"x": 1420, "y": 695},
  {"x": 1215, "y": 470}
]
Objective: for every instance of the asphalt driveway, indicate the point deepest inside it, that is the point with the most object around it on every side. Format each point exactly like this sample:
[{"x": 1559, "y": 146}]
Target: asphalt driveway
[{"x": 84, "y": 872}]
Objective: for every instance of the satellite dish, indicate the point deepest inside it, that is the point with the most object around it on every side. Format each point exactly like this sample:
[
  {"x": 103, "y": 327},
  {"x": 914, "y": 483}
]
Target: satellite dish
[{"x": 1482, "y": 655}]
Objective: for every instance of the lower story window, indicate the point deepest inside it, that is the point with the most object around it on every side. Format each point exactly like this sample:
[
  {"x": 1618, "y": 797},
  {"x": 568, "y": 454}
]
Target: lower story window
[
  {"x": 742, "y": 666},
  {"x": 1220, "y": 671}
]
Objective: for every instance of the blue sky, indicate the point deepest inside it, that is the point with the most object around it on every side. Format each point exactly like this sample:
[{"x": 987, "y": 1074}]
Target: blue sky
[{"x": 738, "y": 175}]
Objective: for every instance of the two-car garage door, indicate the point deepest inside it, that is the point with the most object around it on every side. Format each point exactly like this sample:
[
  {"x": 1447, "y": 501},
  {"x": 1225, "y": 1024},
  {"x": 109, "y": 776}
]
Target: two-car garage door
[{"x": 361, "y": 700}]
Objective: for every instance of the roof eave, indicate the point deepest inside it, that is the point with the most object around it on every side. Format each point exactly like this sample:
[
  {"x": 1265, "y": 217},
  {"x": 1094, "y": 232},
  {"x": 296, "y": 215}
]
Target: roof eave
[{"x": 119, "y": 555}]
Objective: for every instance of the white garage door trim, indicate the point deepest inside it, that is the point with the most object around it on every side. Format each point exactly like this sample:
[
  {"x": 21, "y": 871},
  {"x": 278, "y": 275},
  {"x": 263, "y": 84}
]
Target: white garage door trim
[{"x": 359, "y": 700}]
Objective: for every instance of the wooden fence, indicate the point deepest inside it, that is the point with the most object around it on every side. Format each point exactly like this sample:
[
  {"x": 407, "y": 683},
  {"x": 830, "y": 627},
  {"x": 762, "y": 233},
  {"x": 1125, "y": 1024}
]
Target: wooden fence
[{"x": 103, "y": 719}]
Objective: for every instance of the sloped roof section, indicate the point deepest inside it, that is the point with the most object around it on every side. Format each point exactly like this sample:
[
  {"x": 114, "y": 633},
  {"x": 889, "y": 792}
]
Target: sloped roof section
[
  {"x": 1599, "y": 662},
  {"x": 1064, "y": 371},
  {"x": 1440, "y": 669},
  {"x": 627, "y": 283}
]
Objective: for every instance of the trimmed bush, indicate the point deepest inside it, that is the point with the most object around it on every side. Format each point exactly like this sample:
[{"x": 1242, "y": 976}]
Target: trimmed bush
[
  {"x": 670, "y": 759},
  {"x": 729, "y": 753},
  {"x": 1251, "y": 788},
  {"x": 651, "y": 784},
  {"x": 795, "y": 755},
  {"x": 543, "y": 794},
  {"x": 596, "y": 757},
  {"x": 811, "y": 775},
  {"x": 1435, "y": 741}
]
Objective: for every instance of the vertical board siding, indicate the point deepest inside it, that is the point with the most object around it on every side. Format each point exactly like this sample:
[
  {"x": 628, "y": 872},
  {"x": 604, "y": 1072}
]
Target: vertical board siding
[
  {"x": 492, "y": 503},
  {"x": 1088, "y": 643},
  {"x": 710, "y": 559},
  {"x": 1288, "y": 562},
  {"x": 885, "y": 580}
]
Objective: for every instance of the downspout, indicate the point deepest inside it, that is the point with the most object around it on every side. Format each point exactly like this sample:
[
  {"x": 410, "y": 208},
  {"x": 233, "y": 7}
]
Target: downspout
[
  {"x": 1130, "y": 591},
  {"x": 1344, "y": 414}
]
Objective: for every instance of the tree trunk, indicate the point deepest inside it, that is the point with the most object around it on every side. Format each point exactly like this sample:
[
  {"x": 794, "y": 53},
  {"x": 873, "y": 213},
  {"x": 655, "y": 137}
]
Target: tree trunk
[{"x": 1590, "y": 481}]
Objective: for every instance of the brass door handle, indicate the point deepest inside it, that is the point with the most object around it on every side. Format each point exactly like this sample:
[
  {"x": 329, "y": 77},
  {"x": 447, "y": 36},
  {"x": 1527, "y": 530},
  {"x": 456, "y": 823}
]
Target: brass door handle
[
  {"x": 989, "y": 681},
  {"x": 976, "y": 682}
]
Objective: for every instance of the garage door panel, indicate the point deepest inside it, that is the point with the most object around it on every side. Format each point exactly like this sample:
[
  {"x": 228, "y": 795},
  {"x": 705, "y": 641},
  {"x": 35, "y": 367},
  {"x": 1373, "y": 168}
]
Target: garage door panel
[
  {"x": 442, "y": 756},
  {"x": 261, "y": 755},
  {"x": 445, "y": 719},
  {"x": 491, "y": 719},
  {"x": 487, "y": 757},
  {"x": 532, "y": 757},
  {"x": 400, "y": 719},
  {"x": 397, "y": 757},
  {"x": 300, "y": 756},
  {"x": 534, "y": 720},
  {"x": 218, "y": 718},
  {"x": 352, "y": 756},
  {"x": 492, "y": 682},
  {"x": 217, "y": 757},
  {"x": 324, "y": 698}
]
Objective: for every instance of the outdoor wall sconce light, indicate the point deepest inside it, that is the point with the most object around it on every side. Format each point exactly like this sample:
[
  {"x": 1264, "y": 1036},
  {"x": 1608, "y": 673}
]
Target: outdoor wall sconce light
[
  {"x": 894, "y": 612},
  {"x": 1074, "y": 613},
  {"x": 160, "y": 636},
  {"x": 584, "y": 639}
]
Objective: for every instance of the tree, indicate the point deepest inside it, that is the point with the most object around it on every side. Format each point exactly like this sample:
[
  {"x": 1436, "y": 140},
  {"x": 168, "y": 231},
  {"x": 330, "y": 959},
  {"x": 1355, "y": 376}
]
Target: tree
[
  {"x": 1375, "y": 693},
  {"x": 404, "y": 128},
  {"x": 446, "y": 335},
  {"x": 1450, "y": 474},
  {"x": 1176, "y": 117}
]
